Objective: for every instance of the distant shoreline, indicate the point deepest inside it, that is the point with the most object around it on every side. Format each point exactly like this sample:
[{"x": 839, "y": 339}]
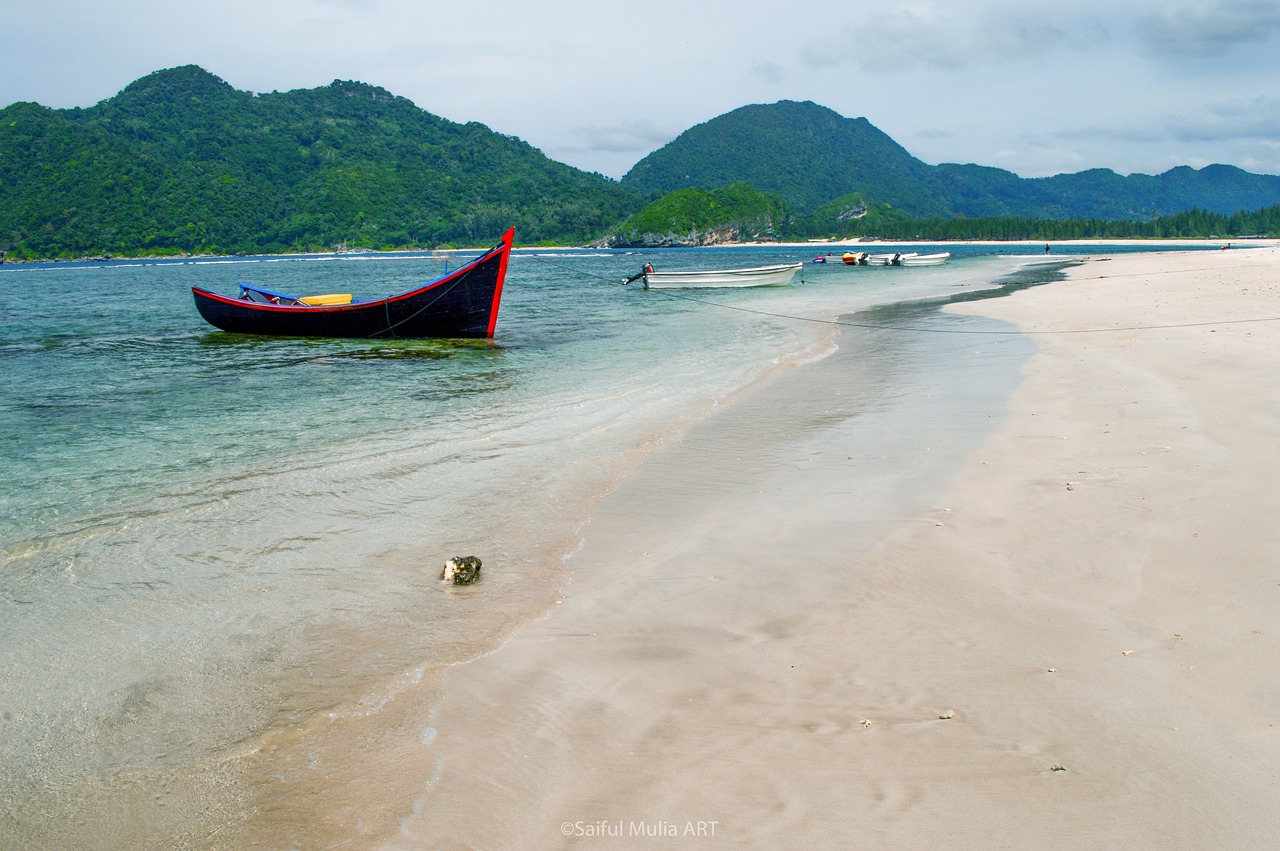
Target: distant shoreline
[
  {"x": 425, "y": 253},
  {"x": 1250, "y": 242}
]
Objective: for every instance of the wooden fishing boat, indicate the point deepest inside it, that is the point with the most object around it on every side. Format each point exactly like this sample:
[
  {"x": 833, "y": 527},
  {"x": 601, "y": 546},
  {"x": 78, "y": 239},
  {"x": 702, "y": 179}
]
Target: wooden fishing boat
[
  {"x": 759, "y": 276},
  {"x": 462, "y": 303}
]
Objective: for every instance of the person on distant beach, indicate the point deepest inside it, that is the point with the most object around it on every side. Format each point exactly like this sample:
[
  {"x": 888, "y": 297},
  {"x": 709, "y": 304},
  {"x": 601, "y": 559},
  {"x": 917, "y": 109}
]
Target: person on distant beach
[{"x": 1046, "y": 248}]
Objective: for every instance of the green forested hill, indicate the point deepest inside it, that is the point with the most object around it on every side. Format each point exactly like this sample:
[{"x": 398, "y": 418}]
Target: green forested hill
[
  {"x": 809, "y": 155},
  {"x": 802, "y": 152},
  {"x": 180, "y": 161}
]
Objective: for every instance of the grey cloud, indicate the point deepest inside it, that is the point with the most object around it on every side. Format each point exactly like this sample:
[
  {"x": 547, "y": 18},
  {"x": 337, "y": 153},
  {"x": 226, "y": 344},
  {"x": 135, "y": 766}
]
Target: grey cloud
[
  {"x": 1251, "y": 120},
  {"x": 924, "y": 38},
  {"x": 769, "y": 72},
  {"x": 1254, "y": 119},
  {"x": 1204, "y": 32},
  {"x": 628, "y": 136}
]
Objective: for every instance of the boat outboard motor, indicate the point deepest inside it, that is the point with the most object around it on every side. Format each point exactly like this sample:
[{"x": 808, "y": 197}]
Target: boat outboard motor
[{"x": 646, "y": 269}]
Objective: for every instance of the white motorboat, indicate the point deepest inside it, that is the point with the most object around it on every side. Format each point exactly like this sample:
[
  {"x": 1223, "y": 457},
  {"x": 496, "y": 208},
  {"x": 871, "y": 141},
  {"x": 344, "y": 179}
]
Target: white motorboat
[
  {"x": 924, "y": 259},
  {"x": 759, "y": 276}
]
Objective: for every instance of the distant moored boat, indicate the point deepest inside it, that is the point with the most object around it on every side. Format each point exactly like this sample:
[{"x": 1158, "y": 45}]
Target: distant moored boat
[
  {"x": 910, "y": 258},
  {"x": 925, "y": 259},
  {"x": 759, "y": 276}
]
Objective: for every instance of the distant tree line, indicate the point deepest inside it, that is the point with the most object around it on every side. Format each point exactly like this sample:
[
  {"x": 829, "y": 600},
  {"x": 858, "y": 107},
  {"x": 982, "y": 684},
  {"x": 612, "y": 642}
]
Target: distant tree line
[
  {"x": 745, "y": 213},
  {"x": 1190, "y": 224}
]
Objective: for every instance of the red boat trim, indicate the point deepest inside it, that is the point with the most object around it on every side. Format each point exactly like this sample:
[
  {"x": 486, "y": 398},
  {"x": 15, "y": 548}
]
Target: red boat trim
[{"x": 507, "y": 239}]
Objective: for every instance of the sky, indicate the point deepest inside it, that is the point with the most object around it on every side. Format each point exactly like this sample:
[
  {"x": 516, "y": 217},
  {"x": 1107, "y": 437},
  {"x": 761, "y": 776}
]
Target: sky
[{"x": 1038, "y": 88}]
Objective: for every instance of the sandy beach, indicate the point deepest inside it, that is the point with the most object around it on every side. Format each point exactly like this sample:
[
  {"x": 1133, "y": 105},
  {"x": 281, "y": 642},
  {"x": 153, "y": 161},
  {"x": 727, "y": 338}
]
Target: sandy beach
[{"x": 1069, "y": 642}]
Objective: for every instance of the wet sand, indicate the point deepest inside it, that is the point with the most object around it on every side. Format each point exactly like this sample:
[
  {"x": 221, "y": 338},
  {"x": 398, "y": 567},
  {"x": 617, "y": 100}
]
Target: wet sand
[{"x": 1070, "y": 640}]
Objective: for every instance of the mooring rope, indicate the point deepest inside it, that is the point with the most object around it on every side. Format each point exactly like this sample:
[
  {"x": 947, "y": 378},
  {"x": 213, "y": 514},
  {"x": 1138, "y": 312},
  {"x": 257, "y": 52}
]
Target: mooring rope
[{"x": 386, "y": 304}]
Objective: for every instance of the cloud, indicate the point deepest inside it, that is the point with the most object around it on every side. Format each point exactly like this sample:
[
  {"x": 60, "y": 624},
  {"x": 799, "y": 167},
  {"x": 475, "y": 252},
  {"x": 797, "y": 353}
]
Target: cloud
[
  {"x": 1197, "y": 32},
  {"x": 625, "y": 137},
  {"x": 768, "y": 72},
  {"x": 1042, "y": 158},
  {"x": 1234, "y": 120},
  {"x": 1255, "y": 119},
  {"x": 1260, "y": 157},
  {"x": 926, "y": 37},
  {"x": 934, "y": 133}
]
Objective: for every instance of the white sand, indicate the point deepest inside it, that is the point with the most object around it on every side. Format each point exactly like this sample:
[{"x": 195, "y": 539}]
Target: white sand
[{"x": 1094, "y": 601}]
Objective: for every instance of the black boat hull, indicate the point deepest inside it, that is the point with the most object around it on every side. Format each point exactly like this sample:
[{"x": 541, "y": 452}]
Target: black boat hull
[{"x": 462, "y": 304}]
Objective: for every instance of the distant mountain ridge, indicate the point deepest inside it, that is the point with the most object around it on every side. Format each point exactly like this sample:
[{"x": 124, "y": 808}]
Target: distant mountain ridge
[
  {"x": 180, "y": 162},
  {"x": 809, "y": 155}
]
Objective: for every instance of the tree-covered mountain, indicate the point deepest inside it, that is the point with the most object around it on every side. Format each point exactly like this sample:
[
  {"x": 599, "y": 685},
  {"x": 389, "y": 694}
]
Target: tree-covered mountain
[
  {"x": 179, "y": 161},
  {"x": 810, "y": 155},
  {"x": 803, "y": 152}
]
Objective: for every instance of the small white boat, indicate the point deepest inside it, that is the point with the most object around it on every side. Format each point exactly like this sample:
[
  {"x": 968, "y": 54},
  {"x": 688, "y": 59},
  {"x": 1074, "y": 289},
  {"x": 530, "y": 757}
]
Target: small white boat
[
  {"x": 910, "y": 258},
  {"x": 885, "y": 259},
  {"x": 924, "y": 259},
  {"x": 760, "y": 276}
]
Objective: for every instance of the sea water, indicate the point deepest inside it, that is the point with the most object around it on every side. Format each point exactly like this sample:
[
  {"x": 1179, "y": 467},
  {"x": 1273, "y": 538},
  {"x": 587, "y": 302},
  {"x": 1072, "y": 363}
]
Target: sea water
[{"x": 207, "y": 539}]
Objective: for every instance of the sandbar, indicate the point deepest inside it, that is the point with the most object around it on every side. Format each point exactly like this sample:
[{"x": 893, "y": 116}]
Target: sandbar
[{"x": 1070, "y": 641}]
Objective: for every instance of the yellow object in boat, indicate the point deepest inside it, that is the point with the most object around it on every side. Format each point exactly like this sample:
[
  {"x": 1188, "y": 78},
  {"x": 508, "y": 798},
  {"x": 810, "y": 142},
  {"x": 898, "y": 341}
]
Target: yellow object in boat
[{"x": 331, "y": 298}]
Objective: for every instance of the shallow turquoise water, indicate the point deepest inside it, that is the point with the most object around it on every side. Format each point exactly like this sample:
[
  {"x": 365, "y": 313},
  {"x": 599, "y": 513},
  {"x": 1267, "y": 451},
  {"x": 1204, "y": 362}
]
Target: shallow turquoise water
[{"x": 204, "y": 536}]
